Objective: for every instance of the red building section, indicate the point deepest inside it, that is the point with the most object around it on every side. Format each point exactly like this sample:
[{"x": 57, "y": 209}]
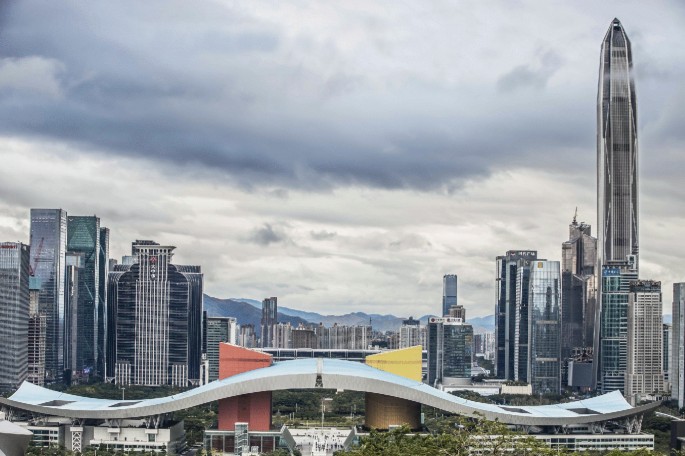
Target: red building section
[{"x": 254, "y": 409}]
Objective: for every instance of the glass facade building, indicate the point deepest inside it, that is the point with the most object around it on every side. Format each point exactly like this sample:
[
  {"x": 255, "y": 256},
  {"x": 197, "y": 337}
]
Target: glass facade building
[
  {"x": 617, "y": 201},
  {"x": 154, "y": 320},
  {"x": 579, "y": 290},
  {"x": 48, "y": 249},
  {"x": 613, "y": 327},
  {"x": 450, "y": 351},
  {"x": 83, "y": 239},
  {"x": 511, "y": 314},
  {"x": 103, "y": 265},
  {"x": 218, "y": 329},
  {"x": 449, "y": 293},
  {"x": 544, "y": 363},
  {"x": 617, "y": 179},
  {"x": 14, "y": 314}
]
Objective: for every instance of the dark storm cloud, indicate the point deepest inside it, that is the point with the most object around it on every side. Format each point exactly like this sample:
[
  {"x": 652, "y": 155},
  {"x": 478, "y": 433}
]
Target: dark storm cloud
[
  {"x": 267, "y": 234},
  {"x": 192, "y": 98},
  {"x": 221, "y": 89}
]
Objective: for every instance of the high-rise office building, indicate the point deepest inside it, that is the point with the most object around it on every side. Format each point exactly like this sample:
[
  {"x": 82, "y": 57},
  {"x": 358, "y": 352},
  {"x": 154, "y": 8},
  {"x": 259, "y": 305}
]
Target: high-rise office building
[
  {"x": 449, "y": 293},
  {"x": 14, "y": 314},
  {"x": 617, "y": 195},
  {"x": 73, "y": 346},
  {"x": 37, "y": 334},
  {"x": 154, "y": 320},
  {"x": 48, "y": 249},
  {"x": 611, "y": 348},
  {"x": 269, "y": 320},
  {"x": 578, "y": 289},
  {"x": 544, "y": 362},
  {"x": 103, "y": 263},
  {"x": 644, "y": 371},
  {"x": 617, "y": 178},
  {"x": 678, "y": 345},
  {"x": 511, "y": 314},
  {"x": 219, "y": 329},
  {"x": 450, "y": 351},
  {"x": 83, "y": 238}
]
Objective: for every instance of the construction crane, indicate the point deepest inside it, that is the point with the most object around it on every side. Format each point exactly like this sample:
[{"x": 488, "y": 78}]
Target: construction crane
[{"x": 32, "y": 267}]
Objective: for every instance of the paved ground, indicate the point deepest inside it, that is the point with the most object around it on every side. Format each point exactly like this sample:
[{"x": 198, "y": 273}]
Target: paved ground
[{"x": 319, "y": 441}]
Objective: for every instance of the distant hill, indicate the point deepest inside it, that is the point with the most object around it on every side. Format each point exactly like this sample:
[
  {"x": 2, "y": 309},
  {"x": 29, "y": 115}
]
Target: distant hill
[
  {"x": 243, "y": 312},
  {"x": 248, "y": 311},
  {"x": 248, "y": 307}
]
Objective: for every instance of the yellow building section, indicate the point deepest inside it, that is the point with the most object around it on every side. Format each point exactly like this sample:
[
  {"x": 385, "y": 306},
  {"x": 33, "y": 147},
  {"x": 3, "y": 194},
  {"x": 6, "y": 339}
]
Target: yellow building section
[{"x": 405, "y": 362}]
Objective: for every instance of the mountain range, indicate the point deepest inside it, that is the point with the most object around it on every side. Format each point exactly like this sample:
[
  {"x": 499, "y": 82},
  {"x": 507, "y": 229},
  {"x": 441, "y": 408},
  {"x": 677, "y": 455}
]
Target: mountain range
[{"x": 248, "y": 311}]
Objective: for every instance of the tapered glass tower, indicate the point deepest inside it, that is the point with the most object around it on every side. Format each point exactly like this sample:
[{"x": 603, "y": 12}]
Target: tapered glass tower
[
  {"x": 617, "y": 197},
  {"x": 617, "y": 206}
]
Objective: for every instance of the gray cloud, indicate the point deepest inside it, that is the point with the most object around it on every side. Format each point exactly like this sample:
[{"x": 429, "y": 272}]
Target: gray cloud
[
  {"x": 267, "y": 234},
  {"x": 229, "y": 90},
  {"x": 534, "y": 76},
  {"x": 322, "y": 235}
]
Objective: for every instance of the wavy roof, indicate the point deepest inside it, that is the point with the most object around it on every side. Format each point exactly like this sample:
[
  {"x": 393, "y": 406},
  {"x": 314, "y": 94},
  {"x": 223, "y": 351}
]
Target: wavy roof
[{"x": 335, "y": 374}]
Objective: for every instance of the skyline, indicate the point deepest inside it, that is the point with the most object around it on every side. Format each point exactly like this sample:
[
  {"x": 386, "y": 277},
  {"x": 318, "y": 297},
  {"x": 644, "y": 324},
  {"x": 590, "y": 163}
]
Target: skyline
[{"x": 406, "y": 160}]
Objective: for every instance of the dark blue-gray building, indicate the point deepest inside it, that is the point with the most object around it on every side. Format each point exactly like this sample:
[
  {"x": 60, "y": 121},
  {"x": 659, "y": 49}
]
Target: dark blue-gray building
[
  {"x": 48, "y": 249},
  {"x": 154, "y": 324}
]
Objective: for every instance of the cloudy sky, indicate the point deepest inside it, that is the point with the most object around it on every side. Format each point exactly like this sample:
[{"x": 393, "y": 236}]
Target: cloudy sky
[{"x": 342, "y": 156}]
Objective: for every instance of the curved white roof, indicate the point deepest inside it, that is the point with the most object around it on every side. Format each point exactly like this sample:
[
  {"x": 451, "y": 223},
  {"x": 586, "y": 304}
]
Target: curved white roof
[{"x": 335, "y": 374}]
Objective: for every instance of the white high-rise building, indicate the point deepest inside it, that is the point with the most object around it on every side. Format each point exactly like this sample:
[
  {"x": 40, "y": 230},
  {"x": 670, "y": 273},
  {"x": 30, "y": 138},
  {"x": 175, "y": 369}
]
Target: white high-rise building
[
  {"x": 644, "y": 371},
  {"x": 14, "y": 313}
]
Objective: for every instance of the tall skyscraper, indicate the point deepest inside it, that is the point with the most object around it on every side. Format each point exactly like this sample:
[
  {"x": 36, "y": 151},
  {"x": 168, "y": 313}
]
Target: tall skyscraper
[
  {"x": 449, "y": 293},
  {"x": 511, "y": 314},
  {"x": 644, "y": 371},
  {"x": 154, "y": 320},
  {"x": 544, "y": 361},
  {"x": 48, "y": 247},
  {"x": 617, "y": 196},
  {"x": 617, "y": 179},
  {"x": 269, "y": 320},
  {"x": 103, "y": 263},
  {"x": 83, "y": 239},
  {"x": 678, "y": 345},
  {"x": 579, "y": 289},
  {"x": 14, "y": 314},
  {"x": 450, "y": 351}
]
